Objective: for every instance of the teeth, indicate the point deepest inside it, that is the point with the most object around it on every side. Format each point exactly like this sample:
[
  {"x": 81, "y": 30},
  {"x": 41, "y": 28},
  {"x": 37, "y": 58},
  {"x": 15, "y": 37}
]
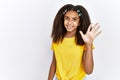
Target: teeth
[{"x": 69, "y": 26}]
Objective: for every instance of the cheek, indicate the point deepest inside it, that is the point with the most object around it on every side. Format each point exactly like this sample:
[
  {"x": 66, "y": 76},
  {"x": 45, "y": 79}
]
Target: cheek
[
  {"x": 76, "y": 24},
  {"x": 65, "y": 22}
]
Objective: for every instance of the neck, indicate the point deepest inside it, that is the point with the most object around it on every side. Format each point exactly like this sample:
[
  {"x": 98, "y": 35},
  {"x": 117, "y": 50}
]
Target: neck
[{"x": 70, "y": 34}]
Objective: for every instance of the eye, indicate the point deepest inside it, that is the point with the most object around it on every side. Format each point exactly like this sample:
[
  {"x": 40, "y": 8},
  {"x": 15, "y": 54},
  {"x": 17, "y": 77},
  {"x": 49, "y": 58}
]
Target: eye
[
  {"x": 74, "y": 19},
  {"x": 66, "y": 18}
]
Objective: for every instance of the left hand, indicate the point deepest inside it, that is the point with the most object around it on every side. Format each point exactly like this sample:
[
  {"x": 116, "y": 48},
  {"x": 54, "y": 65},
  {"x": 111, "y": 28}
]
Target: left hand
[{"x": 91, "y": 33}]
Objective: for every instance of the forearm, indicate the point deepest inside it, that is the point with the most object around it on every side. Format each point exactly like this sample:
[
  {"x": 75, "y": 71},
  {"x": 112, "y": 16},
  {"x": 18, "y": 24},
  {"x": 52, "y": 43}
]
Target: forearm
[
  {"x": 52, "y": 68},
  {"x": 88, "y": 38},
  {"x": 88, "y": 59},
  {"x": 52, "y": 72}
]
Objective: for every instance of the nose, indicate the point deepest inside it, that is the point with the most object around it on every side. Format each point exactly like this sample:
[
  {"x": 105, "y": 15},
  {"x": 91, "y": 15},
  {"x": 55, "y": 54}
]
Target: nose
[{"x": 70, "y": 21}]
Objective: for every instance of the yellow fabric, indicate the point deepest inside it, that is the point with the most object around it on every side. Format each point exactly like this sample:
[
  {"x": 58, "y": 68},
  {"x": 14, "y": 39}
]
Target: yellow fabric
[{"x": 69, "y": 57}]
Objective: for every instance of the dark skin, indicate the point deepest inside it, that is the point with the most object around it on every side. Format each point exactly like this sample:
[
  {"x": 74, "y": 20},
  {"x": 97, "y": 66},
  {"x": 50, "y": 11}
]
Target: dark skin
[
  {"x": 88, "y": 38},
  {"x": 52, "y": 68},
  {"x": 71, "y": 22}
]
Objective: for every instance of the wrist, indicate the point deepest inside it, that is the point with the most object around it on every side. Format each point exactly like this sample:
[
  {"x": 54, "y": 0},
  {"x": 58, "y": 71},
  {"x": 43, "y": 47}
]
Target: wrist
[{"x": 88, "y": 44}]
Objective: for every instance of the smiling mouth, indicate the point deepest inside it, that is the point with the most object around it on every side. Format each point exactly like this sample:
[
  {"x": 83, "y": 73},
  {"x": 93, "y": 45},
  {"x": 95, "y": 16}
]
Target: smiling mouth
[{"x": 69, "y": 27}]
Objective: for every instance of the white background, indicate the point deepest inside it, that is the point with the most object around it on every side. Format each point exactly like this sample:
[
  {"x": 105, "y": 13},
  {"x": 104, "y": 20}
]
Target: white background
[{"x": 25, "y": 29}]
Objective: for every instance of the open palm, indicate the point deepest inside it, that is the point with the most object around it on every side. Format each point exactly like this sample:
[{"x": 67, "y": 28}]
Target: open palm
[{"x": 91, "y": 33}]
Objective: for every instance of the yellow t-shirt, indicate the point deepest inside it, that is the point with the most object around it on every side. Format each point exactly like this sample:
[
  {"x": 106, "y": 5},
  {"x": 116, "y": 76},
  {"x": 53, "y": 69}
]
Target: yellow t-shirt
[{"x": 69, "y": 60}]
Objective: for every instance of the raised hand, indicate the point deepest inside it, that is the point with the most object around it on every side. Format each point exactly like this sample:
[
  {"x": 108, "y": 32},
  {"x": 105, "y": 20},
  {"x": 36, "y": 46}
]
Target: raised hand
[{"x": 91, "y": 33}]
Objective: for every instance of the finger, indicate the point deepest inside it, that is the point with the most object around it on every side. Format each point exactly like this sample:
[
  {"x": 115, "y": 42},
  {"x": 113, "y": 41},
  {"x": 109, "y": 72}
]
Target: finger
[
  {"x": 98, "y": 33},
  {"x": 81, "y": 33},
  {"x": 95, "y": 27},
  {"x": 90, "y": 27}
]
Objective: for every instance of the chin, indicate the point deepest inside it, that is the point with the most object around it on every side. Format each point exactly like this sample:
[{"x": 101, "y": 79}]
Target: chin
[{"x": 69, "y": 30}]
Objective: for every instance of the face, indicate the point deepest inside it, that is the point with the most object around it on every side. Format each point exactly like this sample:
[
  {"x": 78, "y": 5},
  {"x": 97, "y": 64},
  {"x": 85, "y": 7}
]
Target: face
[{"x": 71, "y": 21}]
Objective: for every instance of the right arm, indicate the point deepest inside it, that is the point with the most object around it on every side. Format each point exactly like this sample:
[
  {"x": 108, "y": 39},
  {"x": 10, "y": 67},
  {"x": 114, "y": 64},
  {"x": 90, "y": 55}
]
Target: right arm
[{"x": 52, "y": 68}]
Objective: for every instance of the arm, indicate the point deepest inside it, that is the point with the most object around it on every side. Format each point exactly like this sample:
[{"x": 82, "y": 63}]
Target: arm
[
  {"x": 88, "y": 38},
  {"x": 88, "y": 62},
  {"x": 52, "y": 68}
]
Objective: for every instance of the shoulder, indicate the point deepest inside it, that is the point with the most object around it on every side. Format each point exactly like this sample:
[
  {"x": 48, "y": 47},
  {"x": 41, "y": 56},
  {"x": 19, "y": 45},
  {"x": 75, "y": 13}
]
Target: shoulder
[{"x": 53, "y": 45}]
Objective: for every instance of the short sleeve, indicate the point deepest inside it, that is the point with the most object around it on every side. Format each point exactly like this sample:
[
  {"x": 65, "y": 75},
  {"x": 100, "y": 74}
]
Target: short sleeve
[
  {"x": 52, "y": 46},
  {"x": 93, "y": 47}
]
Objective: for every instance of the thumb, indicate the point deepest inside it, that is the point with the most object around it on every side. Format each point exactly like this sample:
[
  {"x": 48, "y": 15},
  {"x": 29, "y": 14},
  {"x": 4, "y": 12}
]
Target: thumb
[{"x": 81, "y": 33}]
